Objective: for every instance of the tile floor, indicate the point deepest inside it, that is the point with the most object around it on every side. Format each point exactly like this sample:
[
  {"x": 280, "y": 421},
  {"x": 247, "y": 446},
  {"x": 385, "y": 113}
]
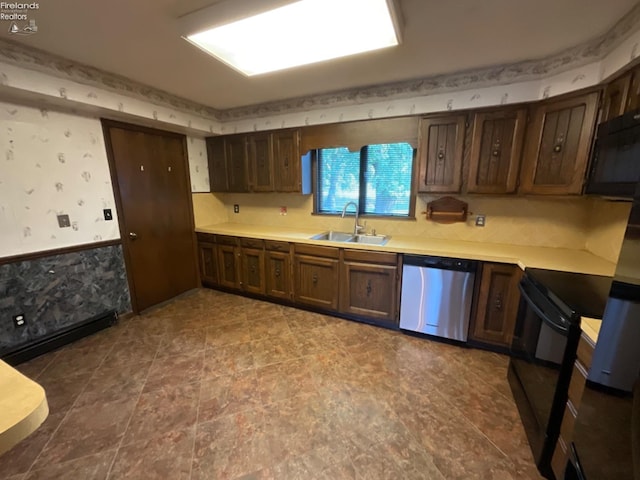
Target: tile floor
[{"x": 217, "y": 386}]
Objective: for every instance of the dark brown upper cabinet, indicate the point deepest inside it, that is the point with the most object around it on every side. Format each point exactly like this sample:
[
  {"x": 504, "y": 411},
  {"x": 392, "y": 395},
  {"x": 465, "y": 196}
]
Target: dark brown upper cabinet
[
  {"x": 286, "y": 161},
  {"x": 440, "y": 148},
  {"x": 614, "y": 100},
  {"x": 261, "y": 162},
  {"x": 633, "y": 96},
  {"x": 496, "y": 149},
  {"x": 217, "y": 159},
  {"x": 236, "y": 153},
  {"x": 557, "y": 145}
]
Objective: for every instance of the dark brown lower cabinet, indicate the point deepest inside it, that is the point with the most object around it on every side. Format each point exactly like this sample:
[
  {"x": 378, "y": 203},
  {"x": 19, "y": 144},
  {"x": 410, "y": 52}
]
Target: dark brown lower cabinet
[
  {"x": 497, "y": 299},
  {"x": 228, "y": 266},
  {"x": 253, "y": 278},
  {"x": 316, "y": 279},
  {"x": 369, "y": 283},
  {"x": 278, "y": 273},
  {"x": 207, "y": 253}
]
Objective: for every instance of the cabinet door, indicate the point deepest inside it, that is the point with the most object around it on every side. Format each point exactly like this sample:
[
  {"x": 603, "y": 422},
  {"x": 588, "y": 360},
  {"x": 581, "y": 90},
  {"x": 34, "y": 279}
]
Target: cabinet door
[
  {"x": 208, "y": 263},
  {"x": 286, "y": 146},
  {"x": 633, "y": 97},
  {"x": 496, "y": 304},
  {"x": 614, "y": 99},
  {"x": 228, "y": 271},
  {"x": 369, "y": 290},
  {"x": 278, "y": 273},
  {"x": 261, "y": 162},
  {"x": 440, "y": 153},
  {"x": 236, "y": 152},
  {"x": 253, "y": 280},
  {"x": 496, "y": 149},
  {"x": 316, "y": 281},
  {"x": 557, "y": 146},
  {"x": 217, "y": 158}
]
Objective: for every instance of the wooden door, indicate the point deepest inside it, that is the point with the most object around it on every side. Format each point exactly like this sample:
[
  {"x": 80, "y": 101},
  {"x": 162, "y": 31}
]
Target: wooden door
[
  {"x": 208, "y": 263},
  {"x": 316, "y": 281},
  {"x": 286, "y": 146},
  {"x": 614, "y": 99},
  {"x": 369, "y": 290},
  {"x": 228, "y": 266},
  {"x": 236, "y": 156},
  {"x": 261, "y": 162},
  {"x": 440, "y": 149},
  {"x": 278, "y": 274},
  {"x": 496, "y": 149},
  {"x": 633, "y": 97},
  {"x": 253, "y": 279},
  {"x": 217, "y": 158},
  {"x": 496, "y": 304},
  {"x": 558, "y": 144},
  {"x": 150, "y": 175}
]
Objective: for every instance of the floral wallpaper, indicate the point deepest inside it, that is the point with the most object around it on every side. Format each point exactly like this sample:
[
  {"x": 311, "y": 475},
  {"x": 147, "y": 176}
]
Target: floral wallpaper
[
  {"x": 52, "y": 164},
  {"x": 198, "y": 166}
]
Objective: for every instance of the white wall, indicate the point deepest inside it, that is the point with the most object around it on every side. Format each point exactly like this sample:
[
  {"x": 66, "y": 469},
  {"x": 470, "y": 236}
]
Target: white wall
[{"x": 55, "y": 163}]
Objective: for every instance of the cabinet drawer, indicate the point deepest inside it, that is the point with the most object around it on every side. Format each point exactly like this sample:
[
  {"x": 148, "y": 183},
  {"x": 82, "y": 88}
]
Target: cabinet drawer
[
  {"x": 276, "y": 246},
  {"x": 252, "y": 243},
  {"x": 317, "y": 251},
  {"x": 227, "y": 240},
  {"x": 367, "y": 256},
  {"x": 576, "y": 386},
  {"x": 206, "y": 237},
  {"x": 585, "y": 351}
]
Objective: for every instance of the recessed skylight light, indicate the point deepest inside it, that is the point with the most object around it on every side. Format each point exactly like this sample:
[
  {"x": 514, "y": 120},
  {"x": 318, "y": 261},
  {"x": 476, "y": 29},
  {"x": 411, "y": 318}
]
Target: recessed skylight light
[{"x": 304, "y": 32}]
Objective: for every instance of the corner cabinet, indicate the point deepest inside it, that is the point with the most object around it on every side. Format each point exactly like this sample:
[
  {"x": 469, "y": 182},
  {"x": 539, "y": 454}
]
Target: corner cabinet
[
  {"x": 440, "y": 151},
  {"x": 496, "y": 305},
  {"x": 316, "y": 276},
  {"x": 496, "y": 149},
  {"x": 208, "y": 259},
  {"x": 557, "y": 146},
  {"x": 369, "y": 285}
]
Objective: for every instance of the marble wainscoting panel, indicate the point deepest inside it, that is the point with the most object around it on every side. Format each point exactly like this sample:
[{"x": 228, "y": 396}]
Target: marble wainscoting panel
[{"x": 59, "y": 291}]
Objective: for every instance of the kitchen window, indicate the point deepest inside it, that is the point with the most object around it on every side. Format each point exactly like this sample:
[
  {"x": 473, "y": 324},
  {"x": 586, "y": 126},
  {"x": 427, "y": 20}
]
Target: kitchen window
[{"x": 377, "y": 177}]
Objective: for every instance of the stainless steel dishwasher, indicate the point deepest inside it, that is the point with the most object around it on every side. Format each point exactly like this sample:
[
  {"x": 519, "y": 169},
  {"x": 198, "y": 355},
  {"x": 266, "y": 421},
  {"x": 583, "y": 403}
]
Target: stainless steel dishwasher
[{"x": 436, "y": 296}]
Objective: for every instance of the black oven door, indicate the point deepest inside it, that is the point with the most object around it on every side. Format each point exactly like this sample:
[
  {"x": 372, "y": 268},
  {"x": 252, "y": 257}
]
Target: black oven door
[{"x": 542, "y": 353}]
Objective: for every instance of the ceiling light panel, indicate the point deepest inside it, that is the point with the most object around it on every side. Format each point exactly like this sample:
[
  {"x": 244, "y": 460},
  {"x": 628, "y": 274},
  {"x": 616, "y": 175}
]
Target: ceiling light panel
[{"x": 304, "y": 32}]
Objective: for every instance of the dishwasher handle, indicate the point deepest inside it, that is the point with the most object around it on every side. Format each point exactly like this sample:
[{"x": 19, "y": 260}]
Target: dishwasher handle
[{"x": 441, "y": 263}]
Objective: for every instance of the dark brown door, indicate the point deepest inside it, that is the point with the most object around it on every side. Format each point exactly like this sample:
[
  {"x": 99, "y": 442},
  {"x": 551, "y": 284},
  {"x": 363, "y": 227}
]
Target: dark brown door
[
  {"x": 615, "y": 96},
  {"x": 217, "y": 164},
  {"x": 496, "y": 149},
  {"x": 557, "y": 145},
  {"x": 149, "y": 169},
  {"x": 278, "y": 274},
  {"x": 228, "y": 266},
  {"x": 253, "y": 270},
  {"x": 236, "y": 155},
  {"x": 633, "y": 95},
  {"x": 286, "y": 147},
  {"x": 261, "y": 162},
  {"x": 208, "y": 263},
  {"x": 316, "y": 281},
  {"x": 440, "y": 153},
  {"x": 369, "y": 290}
]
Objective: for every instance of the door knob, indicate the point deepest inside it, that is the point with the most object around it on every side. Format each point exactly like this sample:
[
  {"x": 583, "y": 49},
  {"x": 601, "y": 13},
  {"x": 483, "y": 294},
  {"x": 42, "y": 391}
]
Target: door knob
[{"x": 133, "y": 235}]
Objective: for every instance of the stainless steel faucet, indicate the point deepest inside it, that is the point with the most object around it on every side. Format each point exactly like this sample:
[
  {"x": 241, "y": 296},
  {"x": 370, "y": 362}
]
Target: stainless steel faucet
[{"x": 356, "y": 227}]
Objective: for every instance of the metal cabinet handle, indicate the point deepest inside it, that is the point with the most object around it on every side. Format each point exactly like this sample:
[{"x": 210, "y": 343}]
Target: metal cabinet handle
[
  {"x": 441, "y": 155},
  {"x": 557, "y": 148},
  {"x": 277, "y": 272},
  {"x": 133, "y": 235},
  {"x": 498, "y": 302},
  {"x": 369, "y": 288},
  {"x": 496, "y": 149},
  {"x": 315, "y": 278}
]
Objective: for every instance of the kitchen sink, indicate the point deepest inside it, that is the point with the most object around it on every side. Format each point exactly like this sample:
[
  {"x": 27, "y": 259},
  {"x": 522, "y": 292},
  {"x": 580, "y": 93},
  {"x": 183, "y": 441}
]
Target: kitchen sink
[{"x": 345, "y": 237}]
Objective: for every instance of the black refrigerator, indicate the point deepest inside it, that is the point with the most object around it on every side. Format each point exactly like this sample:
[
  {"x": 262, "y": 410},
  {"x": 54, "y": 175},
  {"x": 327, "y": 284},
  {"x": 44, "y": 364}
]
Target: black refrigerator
[{"x": 606, "y": 438}]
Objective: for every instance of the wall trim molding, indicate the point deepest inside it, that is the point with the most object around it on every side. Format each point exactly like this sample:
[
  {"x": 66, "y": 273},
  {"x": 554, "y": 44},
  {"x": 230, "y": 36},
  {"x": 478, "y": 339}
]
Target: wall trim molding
[
  {"x": 23, "y": 257},
  {"x": 591, "y": 51}
]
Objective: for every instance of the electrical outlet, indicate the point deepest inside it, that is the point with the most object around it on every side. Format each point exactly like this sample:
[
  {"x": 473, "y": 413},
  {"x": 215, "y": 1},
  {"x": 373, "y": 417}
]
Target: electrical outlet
[
  {"x": 480, "y": 220},
  {"x": 107, "y": 214},
  {"x": 19, "y": 320},
  {"x": 236, "y": 208},
  {"x": 63, "y": 221},
  {"x": 283, "y": 210}
]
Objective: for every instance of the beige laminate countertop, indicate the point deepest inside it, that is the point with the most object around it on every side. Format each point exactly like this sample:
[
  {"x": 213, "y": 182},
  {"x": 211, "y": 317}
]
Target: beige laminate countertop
[
  {"x": 579, "y": 261},
  {"x": 591, "y": 327},
  {"x": 23, "y": 407}
]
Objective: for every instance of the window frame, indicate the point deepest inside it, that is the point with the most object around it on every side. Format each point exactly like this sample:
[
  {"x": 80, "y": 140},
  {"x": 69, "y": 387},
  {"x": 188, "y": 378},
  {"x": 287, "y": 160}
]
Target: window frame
[{"x": 411, "y": 215}]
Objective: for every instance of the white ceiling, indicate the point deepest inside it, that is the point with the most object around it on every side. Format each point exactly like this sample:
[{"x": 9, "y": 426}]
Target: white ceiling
[{"x": 139, "y": 39}]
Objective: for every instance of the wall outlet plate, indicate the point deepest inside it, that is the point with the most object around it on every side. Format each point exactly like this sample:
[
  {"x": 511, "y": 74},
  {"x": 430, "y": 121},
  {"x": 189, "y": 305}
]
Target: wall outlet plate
[
  {"x": 19, "y": 320},
  {"x": 480, "y": 220},
  {"x": 283, "y": 210},
  {"x": 107, "y": 214},
  {"x": 236, "y": 208},
  {"x": 63, "y": 221}
]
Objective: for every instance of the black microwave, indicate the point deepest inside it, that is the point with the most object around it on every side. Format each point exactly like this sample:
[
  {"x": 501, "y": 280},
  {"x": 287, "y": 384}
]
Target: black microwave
[{"x": 615, "y": 165}]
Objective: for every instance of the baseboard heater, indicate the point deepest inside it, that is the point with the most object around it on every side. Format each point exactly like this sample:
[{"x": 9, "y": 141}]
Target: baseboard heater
[{"x": 33, "y": 349}]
